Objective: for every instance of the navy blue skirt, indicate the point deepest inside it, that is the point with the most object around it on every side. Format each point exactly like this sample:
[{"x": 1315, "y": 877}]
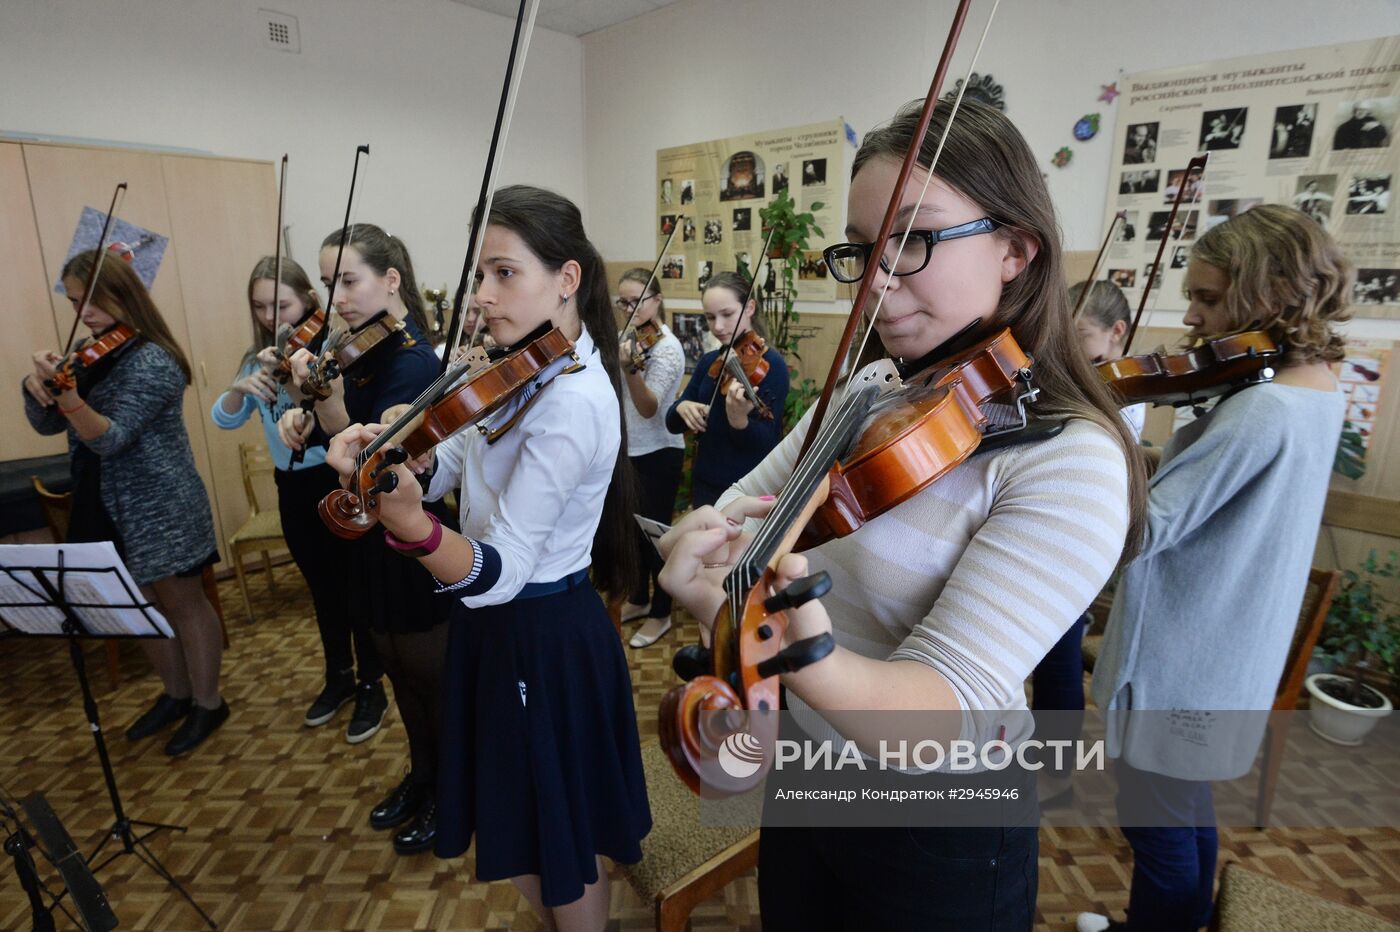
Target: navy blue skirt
[{"x": 540, "y": 760}]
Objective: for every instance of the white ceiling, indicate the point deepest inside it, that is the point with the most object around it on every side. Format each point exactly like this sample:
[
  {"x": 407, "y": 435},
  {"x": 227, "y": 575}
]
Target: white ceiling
[{"x": 575, "y": 17}]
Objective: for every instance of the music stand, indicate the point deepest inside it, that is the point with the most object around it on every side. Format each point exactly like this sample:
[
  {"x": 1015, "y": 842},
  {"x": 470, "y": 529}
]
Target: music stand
[{"x": 46, "y": 592}]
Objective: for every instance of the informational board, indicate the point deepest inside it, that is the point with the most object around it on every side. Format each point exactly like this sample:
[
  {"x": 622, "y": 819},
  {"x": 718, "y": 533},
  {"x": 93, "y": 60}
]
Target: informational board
[
  {"x": 1314, "y": 128},
  {"x": 714, "y": 191}
]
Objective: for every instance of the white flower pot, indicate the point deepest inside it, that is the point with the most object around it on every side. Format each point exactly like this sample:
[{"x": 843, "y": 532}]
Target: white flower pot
[{"x": 1341, "y": 722}]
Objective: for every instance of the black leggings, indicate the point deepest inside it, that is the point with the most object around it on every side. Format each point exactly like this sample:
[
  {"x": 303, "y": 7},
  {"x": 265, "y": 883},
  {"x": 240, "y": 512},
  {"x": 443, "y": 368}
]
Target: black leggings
[
  {"x": 320, "y": 556},
  {"x": 414, "y": 662},
  {"x": 659, "y": 475}
]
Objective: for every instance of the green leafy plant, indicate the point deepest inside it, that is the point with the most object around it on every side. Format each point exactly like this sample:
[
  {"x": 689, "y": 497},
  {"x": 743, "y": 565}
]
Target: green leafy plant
[
  {"x": 1350, "y": 460},
  {"x": 1362, "y": 628},
  {"x": 792, "y": 231}
]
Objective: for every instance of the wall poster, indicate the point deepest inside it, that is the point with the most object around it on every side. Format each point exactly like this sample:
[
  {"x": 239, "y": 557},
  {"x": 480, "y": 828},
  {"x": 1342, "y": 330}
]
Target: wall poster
[
  {"x": 1314, "y": 128},
  {"x": 714, "y": 191}
]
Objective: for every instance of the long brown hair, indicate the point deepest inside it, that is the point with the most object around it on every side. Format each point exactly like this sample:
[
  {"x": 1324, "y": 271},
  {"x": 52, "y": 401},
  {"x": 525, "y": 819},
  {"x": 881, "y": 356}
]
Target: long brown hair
[
  {"x": 295, "y": 278},
  {"x": 383, "y": 252},
  {"x": 1287, "y": 276},
  {"x": 120, "y": 292},
  {"x": 737, "y": 283},
  {"x": 986, "y": 159},
  {"x": 552, "y": 228}
]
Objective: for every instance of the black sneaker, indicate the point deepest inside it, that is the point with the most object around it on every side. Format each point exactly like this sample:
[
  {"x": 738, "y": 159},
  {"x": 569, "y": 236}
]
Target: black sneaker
[
  {"x": 370, "y": 705},
  {"x": 200, "y": 724},
  {"x": 338, "y": 691},
  {"x": 421, "y": 834},
  {"x": 167, "y": 711}
]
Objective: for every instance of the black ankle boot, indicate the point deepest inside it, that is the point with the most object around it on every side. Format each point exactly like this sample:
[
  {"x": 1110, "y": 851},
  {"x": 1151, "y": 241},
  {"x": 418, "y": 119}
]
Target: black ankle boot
[
  {"x": 201, "y": 724},
  {"x": 401, "y": 805},
  {"x": 420, "y": 835}
]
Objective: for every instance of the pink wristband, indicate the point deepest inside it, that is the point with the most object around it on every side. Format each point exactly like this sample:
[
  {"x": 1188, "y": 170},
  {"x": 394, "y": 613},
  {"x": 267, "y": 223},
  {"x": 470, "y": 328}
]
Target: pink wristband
[{"x": 417, "y": 548}]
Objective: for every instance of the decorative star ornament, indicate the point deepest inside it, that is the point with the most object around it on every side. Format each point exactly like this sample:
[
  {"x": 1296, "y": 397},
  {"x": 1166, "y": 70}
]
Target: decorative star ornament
[{"x": 1110, "y": 91}]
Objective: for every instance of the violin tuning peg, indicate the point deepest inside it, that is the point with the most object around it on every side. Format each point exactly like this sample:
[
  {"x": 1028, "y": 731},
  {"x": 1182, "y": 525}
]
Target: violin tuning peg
[
  {"x": 387, "y": 482},
  {"x": 799, "y": 592},
  {"x": 395, "y": 455},
  {"x": 796, "y": 656},
  {"x": 691, "y": 661}
]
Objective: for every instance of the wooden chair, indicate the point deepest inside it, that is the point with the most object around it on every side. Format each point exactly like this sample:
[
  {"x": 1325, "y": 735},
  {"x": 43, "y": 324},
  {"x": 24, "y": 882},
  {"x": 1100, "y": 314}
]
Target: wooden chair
[
  {"x": 1317, "y": 599},
  {"x": 262, "y": 532},
  {"x": 1249, "y": 901},
  {"x": 683, "y": 860}
]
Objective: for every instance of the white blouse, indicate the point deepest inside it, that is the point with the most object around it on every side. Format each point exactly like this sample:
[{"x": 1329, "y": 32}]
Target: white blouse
[
  {"x": 532, "y": 500},
  {"x": 664, "y": 371}
]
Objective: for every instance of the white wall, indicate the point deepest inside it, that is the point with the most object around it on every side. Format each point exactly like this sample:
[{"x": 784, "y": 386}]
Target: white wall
[
  {"x": 419, "y": 80},
  {"x": 707, "y": 69}
]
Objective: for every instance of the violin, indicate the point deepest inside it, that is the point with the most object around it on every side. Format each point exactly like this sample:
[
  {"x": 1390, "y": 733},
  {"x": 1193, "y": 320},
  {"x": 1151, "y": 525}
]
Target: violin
[
  {"x": 644, "y": 336},
  {"x": 350, "y": 513},
  {"x": 86, "y": 356},
  {"x": 1213, "y": 368},
  {"x": 290, "y": 340},
  {"x": 344, "y": 349},
  {"x": 746, "y": 366}
]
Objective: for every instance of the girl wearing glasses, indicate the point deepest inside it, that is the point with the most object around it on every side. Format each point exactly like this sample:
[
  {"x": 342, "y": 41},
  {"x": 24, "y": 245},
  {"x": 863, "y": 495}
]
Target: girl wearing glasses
[
  {"x": 652, "y": 378},
  {"x": 732, "y": 437},
  {"x": 946, "y": 602}
]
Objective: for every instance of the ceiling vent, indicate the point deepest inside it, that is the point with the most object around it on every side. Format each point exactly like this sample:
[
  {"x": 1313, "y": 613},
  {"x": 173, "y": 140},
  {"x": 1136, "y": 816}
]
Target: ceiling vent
[{"x": 279, "y": 31}]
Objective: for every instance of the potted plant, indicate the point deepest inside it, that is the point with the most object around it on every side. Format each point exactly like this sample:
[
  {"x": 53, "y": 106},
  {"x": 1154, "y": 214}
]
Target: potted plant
[
  {"x": 792, "y": 230},
  {"x": 1362, "y": 631}
]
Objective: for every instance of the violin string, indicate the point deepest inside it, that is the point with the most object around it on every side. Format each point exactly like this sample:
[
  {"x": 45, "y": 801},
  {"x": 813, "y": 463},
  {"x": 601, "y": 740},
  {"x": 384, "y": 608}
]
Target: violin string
[{"x": 877, "y": 249}]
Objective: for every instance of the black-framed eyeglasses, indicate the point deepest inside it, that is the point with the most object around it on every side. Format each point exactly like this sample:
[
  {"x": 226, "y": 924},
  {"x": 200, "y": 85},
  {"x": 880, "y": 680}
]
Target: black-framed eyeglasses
[
  {"x": 628, "y": 305},
  {"x": 847, "y": 260}
]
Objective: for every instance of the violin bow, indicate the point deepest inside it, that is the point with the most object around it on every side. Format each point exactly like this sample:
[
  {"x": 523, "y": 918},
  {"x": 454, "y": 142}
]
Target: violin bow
[
  {"x": 1196, "y": 166},
  {"x": 515, "y": 66},
  {"x": 1120, "y": 217},
  {"x": 748, "y": 296},
  {"x": 277, "y": 254},
  {"x": 906, "y": 169},
  {"x": 519, "y": 46},
  {"x": 118, "y": 196},
  {"x": 652, "y": 277},
  {"x": 347, "y": 230}
]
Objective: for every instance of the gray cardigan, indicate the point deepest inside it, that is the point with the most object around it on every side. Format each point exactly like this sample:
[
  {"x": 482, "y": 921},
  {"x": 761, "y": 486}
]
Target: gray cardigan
[
  {"x": 150, "y": 487},
  {"x": 1202, "y": 620}
]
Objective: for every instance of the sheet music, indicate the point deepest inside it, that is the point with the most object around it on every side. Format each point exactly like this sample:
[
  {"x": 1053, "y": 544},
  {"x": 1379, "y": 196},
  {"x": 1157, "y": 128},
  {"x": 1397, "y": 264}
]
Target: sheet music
[
  {"x": 106, "y": 602},
  {"x": 653, "y": 530}
]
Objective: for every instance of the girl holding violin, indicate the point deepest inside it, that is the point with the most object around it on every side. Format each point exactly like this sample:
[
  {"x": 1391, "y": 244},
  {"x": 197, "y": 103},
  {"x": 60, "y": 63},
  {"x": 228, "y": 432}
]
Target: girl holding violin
[
  {"x": 1239, "y": 492},
  {"x": 261, "y": 387},
  {"x": 1102, "y": 325},
  {"x": 390, "y": 595},
  {"x": 734, "y": 433},
  {"x": 653, "y": 365},
  {"x": 541, "y": 759},
  {"x": 135, "y": 484},
  {"x": 945, "y": 602}
]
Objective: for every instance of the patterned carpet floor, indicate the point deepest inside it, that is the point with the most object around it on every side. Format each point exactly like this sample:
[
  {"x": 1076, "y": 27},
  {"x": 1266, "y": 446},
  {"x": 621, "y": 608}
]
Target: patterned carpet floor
[{"x": 277, "y": 813}]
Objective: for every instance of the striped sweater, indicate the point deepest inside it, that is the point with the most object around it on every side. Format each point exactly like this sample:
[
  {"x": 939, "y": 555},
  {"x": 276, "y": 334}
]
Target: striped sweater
[{"x": 982, "y": 572}]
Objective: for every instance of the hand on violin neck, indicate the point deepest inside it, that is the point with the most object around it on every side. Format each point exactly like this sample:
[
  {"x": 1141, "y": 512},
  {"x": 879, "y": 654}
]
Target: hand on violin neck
[
  {"x": 300, "y": 363},
  {"x": 46, "y": 364},
  {"x": 809, "y": 619},
  {"x": 737, "y": 406}
]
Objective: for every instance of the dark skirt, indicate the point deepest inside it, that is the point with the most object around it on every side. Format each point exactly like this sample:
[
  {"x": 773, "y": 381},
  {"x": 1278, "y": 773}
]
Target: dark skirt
[
  {"x": 389, "y": 592},
  {"x": 540, "y": 759}
]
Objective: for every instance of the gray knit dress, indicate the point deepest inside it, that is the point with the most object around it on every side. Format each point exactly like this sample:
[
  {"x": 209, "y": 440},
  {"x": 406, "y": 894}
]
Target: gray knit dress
[{"x": 150, "y": 488}]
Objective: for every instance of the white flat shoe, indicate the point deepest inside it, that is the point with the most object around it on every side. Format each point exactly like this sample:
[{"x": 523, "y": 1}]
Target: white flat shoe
[
  {"x": 631, "y": 611},
  {"x": 643, "y": 639}
]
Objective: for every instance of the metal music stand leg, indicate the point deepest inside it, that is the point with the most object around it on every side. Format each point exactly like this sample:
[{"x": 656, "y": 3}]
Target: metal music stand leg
[{"x": 123, "y": 829}]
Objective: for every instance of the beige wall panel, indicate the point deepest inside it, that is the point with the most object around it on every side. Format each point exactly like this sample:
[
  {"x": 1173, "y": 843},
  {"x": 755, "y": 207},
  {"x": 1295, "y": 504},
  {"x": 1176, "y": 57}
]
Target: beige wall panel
[
  {"x": 30, "y": 315},
  {"x": 223, "y": 217}
]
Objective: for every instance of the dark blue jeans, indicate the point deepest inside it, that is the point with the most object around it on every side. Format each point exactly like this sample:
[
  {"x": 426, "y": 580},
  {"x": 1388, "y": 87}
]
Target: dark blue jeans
[
  {"x": 1057, "y": 684},
  {"x": 1173, "y": 864},
  {"x": 897, "y": 878}
]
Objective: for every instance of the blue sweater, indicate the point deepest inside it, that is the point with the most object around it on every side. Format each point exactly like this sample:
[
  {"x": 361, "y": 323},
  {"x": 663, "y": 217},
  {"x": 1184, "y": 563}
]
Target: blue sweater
[
  {"x": 724, "y": 455},
  {"x": 271, "y": 413}
]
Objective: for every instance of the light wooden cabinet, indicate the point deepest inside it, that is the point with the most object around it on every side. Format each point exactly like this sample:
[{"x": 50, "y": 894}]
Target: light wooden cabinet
[{"x": 219, "y": 215}]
